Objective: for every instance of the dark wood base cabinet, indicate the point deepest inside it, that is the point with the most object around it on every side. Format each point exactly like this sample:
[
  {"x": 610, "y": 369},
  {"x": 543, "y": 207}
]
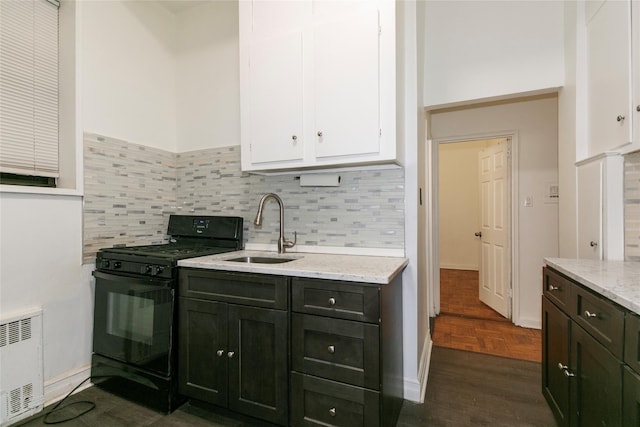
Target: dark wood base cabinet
[
  {"x": 233, "y": 351},
  {"x": 582, "y": 356},
  {"x": 328, "y": 353}
]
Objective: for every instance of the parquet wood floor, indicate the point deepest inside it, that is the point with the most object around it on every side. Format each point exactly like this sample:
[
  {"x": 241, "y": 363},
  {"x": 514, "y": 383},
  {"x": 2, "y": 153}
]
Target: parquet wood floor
[{"x": 465, "y": 323}]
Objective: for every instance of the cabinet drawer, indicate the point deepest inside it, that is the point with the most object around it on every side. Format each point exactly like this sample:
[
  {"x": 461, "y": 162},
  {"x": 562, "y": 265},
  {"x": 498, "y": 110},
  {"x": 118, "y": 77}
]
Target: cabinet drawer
[
  {"x": 341, "y": 350},
  {"x": 319, "y": 402},
  {"x": 632, "y": 341},
  {"x": 557, "y": 288},
  {"x": 240, "y": 288},
  {"x": 343, "y": 300},
  {"x": 603, "y": 320}
]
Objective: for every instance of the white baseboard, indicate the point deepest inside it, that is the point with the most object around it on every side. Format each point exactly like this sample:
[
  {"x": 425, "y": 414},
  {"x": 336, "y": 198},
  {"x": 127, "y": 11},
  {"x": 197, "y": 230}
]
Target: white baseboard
[
  {"x": 57, "y": 388},
  {"x": 415, "y": 388}
]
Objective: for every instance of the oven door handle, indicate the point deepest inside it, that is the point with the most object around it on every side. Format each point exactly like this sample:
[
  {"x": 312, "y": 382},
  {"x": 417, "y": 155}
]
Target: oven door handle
[{"x": 147, "y": 282}]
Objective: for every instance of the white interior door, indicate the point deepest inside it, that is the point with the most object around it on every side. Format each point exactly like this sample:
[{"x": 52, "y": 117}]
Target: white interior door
[{"x": 494, "y": 277}]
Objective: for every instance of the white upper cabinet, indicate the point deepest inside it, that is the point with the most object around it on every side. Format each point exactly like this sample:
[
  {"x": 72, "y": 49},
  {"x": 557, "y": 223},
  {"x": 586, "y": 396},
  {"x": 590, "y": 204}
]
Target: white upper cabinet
[
  {"x": 609, "y": 75},
  {"x": 317, "y": 84}
]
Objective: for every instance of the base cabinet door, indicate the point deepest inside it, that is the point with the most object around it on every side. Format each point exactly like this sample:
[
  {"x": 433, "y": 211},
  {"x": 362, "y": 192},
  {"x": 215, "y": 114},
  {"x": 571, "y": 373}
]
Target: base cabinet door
[
  {"x": 203, "y": 342},
  {"x": 596, "y": 388},
  {"x": 258, "y": 368},
  {"x": 236, "y": 357},
  {"x": 631, "y": 398},
  {"x": 555, "y": 360}
]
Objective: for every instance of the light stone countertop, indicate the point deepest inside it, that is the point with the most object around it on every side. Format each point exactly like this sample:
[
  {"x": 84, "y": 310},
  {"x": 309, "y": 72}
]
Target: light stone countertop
[
  {"x": 617, "y": 280},
  {"x": 350, "y": 268}
]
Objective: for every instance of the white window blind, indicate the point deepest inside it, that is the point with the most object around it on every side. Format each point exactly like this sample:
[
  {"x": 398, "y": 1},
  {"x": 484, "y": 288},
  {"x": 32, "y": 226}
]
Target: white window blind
[{"x": 29, "y": 87}]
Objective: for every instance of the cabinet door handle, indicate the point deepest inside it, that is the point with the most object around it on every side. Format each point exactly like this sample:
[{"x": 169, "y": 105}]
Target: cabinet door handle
[
  {"x": 331, "y": 349},
  {"x": 332, "y": 412},
  {"x": 220, "y": 353},
  {"x": 553, "y": 288},
  {"x": 230, "y": 354},
  {"x": 332, "y": 301},
  {"x": 589, "y": 314},
  {"x": 620, "y": 118},
  {"x": 565, "y": 370}
]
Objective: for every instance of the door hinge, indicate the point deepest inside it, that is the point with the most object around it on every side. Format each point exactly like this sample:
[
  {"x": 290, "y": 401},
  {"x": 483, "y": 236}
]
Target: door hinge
[
  {"x": 379, "y": 30},
  {"x": 379, "y": 132}
]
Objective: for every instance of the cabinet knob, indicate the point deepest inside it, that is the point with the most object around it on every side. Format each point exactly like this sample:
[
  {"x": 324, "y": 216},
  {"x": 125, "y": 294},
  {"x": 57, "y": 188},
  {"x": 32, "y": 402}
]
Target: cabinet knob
[
  {"x": 331, "y": 349},
  {"x": 332, "y": 301},
  {"x": 620, "y": 118},
  {"x": 589, "y": 314},
  {"x": 593, "y": 244},
  {"x": 230, "y": 354},
  {"x": 294, "y": 137},
  {"x": 320, "y": 133},
  {"x": 638, "y": 107},
  {"x": 332, "y": 412},
  {"x": 220, "y": 353},
  {"x": 553, "y": 288}
]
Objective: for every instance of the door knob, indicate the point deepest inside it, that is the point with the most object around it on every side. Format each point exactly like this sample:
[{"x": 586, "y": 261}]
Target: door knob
[
  {"x": 620, "y": 118},
  {"x": 593, "y": 244},
  {"x": 478, "y": 234}
]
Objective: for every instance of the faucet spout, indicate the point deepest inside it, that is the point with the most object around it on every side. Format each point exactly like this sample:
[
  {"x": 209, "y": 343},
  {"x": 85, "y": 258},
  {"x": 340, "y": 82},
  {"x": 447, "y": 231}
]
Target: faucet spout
[{"x": 283, "y": 244}]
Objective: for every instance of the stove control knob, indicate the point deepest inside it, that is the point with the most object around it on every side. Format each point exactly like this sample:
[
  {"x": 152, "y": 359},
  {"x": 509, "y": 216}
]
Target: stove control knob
[
  {"x": 106, "y": 263},
  {"x": 117, "y": 265},
  {"x": 147, "y": 269},
  {"x": 159, "y": 269}
]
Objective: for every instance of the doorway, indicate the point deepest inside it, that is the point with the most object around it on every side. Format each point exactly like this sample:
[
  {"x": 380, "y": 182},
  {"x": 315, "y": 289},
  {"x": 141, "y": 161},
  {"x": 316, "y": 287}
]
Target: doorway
[{"x": 474, "y": 179}]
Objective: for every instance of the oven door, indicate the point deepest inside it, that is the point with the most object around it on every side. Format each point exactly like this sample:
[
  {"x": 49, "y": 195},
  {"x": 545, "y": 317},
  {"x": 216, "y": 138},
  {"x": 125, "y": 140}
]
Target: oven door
[{"x": 133, "y": 320}]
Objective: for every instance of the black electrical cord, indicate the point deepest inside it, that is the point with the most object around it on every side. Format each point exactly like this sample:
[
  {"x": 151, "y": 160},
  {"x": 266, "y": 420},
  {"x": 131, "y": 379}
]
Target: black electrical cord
[{"x": 58, "y": 408}]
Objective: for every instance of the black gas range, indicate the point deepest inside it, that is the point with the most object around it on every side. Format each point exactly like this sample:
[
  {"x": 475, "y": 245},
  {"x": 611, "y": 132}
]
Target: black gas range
[{"x": 135, "y": 312}]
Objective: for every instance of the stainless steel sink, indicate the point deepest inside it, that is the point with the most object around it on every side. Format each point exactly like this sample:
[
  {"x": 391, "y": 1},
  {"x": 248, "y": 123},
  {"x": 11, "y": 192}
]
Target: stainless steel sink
[{"x": 260, "y": 260}]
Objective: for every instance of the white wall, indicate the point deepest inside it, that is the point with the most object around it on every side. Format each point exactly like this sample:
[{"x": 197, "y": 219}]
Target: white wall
[
  {"x": 208, "y": 76},
  {"x": 535, "y": 122},
  {"x": 129, "y": 72},
  {"x": 459, "y": 204},
  {"x": 487, "y": 49},
  {"x": 40, "y": 266}
]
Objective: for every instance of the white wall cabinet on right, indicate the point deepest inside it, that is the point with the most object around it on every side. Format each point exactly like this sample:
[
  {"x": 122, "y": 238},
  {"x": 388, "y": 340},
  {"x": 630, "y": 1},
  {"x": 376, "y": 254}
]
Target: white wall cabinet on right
[
  {"x": 600, "y": 203},
  {"x": 317, "y": 84},
  {"x": 612, "y": 75}
]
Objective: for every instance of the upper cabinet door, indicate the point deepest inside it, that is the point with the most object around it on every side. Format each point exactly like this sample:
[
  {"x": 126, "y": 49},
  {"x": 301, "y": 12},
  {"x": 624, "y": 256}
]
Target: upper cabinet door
[
  {"x": 609, "y": 78},
  {"x": 275, "y": 99},
  {"x": 347, "y": 95}
]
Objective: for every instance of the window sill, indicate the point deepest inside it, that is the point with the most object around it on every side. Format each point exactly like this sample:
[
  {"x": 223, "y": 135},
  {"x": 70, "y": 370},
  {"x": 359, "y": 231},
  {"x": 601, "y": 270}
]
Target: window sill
[{"x": 22, "y": 189}]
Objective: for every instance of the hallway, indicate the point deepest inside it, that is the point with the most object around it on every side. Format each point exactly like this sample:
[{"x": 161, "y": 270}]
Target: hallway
[{"x": 467, "y": 324}]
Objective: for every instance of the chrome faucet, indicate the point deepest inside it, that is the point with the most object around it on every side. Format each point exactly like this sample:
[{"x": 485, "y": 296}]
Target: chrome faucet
[{"x": 282, "y": 243}]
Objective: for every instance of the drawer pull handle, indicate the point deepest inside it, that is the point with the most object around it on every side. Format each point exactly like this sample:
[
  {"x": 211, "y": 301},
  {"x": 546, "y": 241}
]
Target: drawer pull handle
[
  {"x": 553, "y": 288},
  {"x": 332, "y": 412},
  {"x": 230, "y": 354},
  {"x": 332, "y": 301},
  {"x": 220, "y": 353},
  {"x": 331, "y": 349},
  {"x": 589, "y": 314}
]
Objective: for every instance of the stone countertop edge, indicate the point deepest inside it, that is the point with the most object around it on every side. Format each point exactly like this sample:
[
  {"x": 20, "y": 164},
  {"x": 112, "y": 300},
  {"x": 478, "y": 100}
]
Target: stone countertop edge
[
  {"x": 349, "y": 268},
  {"x": 617, "y": 280}
]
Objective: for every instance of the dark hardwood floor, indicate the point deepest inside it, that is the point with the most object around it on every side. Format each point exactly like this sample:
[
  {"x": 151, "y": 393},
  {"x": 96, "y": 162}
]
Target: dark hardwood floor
[{"x": 463, "y": 389}]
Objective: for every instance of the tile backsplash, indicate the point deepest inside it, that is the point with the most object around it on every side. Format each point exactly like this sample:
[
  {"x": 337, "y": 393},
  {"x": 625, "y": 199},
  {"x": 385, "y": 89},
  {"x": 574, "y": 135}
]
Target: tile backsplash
[
  {"x": 130, "y": 190},
  {"x": 632, "y": 207}
]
